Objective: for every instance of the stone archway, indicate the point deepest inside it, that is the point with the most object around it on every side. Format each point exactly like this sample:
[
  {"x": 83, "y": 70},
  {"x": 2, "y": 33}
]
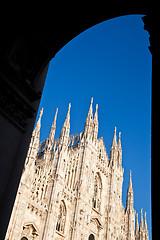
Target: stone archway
[{"x": 25, "y": 54}]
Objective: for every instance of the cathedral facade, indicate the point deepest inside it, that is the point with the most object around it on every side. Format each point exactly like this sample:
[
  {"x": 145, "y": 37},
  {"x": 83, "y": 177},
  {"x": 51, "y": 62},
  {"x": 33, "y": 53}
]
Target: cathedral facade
[{"x": 71, "y": 190}]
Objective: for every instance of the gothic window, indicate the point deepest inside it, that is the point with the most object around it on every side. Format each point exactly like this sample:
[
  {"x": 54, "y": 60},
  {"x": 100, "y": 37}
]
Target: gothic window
[
  {"x": 60, "y": 226},
  {"x": 70, "y": 175},
  {"x": 96, "y": 200},
  {"x": 91, "y": 237}
]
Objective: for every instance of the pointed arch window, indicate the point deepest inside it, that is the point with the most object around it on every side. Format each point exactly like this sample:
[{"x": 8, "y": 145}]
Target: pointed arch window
[
  {"x": 96, "y": 200},
  {"x": 60, "y": 226},
  {"x": 91, "y": 237}
]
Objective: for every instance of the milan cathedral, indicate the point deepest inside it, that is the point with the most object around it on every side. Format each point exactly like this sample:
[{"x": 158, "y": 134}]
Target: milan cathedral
[{"x": 71, "y": 190}]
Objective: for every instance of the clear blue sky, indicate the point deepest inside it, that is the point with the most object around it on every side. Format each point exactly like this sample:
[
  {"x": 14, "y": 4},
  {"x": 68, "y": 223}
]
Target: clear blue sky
[{"x": 111, "y": 63}]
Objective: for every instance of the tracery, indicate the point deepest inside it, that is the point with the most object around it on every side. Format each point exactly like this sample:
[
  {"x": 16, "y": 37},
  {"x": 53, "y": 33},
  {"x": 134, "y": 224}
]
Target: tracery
[{"x": 96, "y": 200}]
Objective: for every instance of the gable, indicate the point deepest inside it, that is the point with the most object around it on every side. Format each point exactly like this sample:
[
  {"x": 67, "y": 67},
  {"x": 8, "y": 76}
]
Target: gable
[
  {"x": 95, "y": 225},
  {"x": 97, "y": 222}
]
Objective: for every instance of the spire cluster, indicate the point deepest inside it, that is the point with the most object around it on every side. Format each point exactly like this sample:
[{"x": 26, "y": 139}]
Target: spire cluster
[
  {"x": 142, "y": 231},
  {"x": 91, "y": 124},
  {"x": 90, "y": 133}
]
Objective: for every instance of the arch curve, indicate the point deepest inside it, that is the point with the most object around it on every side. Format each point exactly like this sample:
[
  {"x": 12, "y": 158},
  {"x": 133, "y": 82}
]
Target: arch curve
[{"x": 91, "y": 237}]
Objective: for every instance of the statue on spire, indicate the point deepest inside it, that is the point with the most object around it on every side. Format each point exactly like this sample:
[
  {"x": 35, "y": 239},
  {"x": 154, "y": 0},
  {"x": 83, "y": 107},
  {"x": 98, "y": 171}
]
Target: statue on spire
[
  {"x": 119, "y": 141},
  {"x": 114, "y": 143},
  {"x": 95, "y": 124}
]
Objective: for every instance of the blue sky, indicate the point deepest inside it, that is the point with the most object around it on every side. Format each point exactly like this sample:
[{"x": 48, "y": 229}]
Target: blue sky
[{"x": 111, "y": 63}]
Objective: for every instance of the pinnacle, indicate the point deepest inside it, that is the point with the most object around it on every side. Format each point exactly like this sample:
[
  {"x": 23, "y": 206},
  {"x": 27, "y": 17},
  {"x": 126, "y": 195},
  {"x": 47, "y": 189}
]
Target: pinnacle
[
  {"x": 130, "y": 175},
  {"x": 69, "y": 107},
  {"x": 114, "y": 143},
  {"x": 41, "y": 113}
]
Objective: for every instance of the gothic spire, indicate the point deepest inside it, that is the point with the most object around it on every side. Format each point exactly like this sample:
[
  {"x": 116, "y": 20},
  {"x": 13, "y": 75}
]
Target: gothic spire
[
  {"x": 38, "y": 125},
  {"x": 34, "y": 143},
  {"x": 130, "y": 182},
  {"x": 141, "y": 221},
  {"x": 36, "y": 133},
  {"x": 114, "y": 143},
  {"x": 65, "y": 129},
  {"x": 67, "y": 120},
  {"x": 129, "y": 201},
  {"x": 114, "y": 152},
  {"x": 96, "y": 114},
  {"x": 137, "y": 225},
  {"x": 130, "y": 212},
  {"x": 145, "y": 221},
  {"x": 89, "y": 121},
  {"x": 95, "y": 124},
  {"x": 145, "y": 228},
  {"x": 52, "y": 132},
  {"x": 119, "y": 141},
  {"x": 119, "y": 151},
  {"x": 90, "y": 112}
]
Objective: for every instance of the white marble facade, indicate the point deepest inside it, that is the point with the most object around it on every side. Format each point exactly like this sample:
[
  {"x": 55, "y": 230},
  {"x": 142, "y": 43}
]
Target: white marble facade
[{"x": 71, "y": 190}]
